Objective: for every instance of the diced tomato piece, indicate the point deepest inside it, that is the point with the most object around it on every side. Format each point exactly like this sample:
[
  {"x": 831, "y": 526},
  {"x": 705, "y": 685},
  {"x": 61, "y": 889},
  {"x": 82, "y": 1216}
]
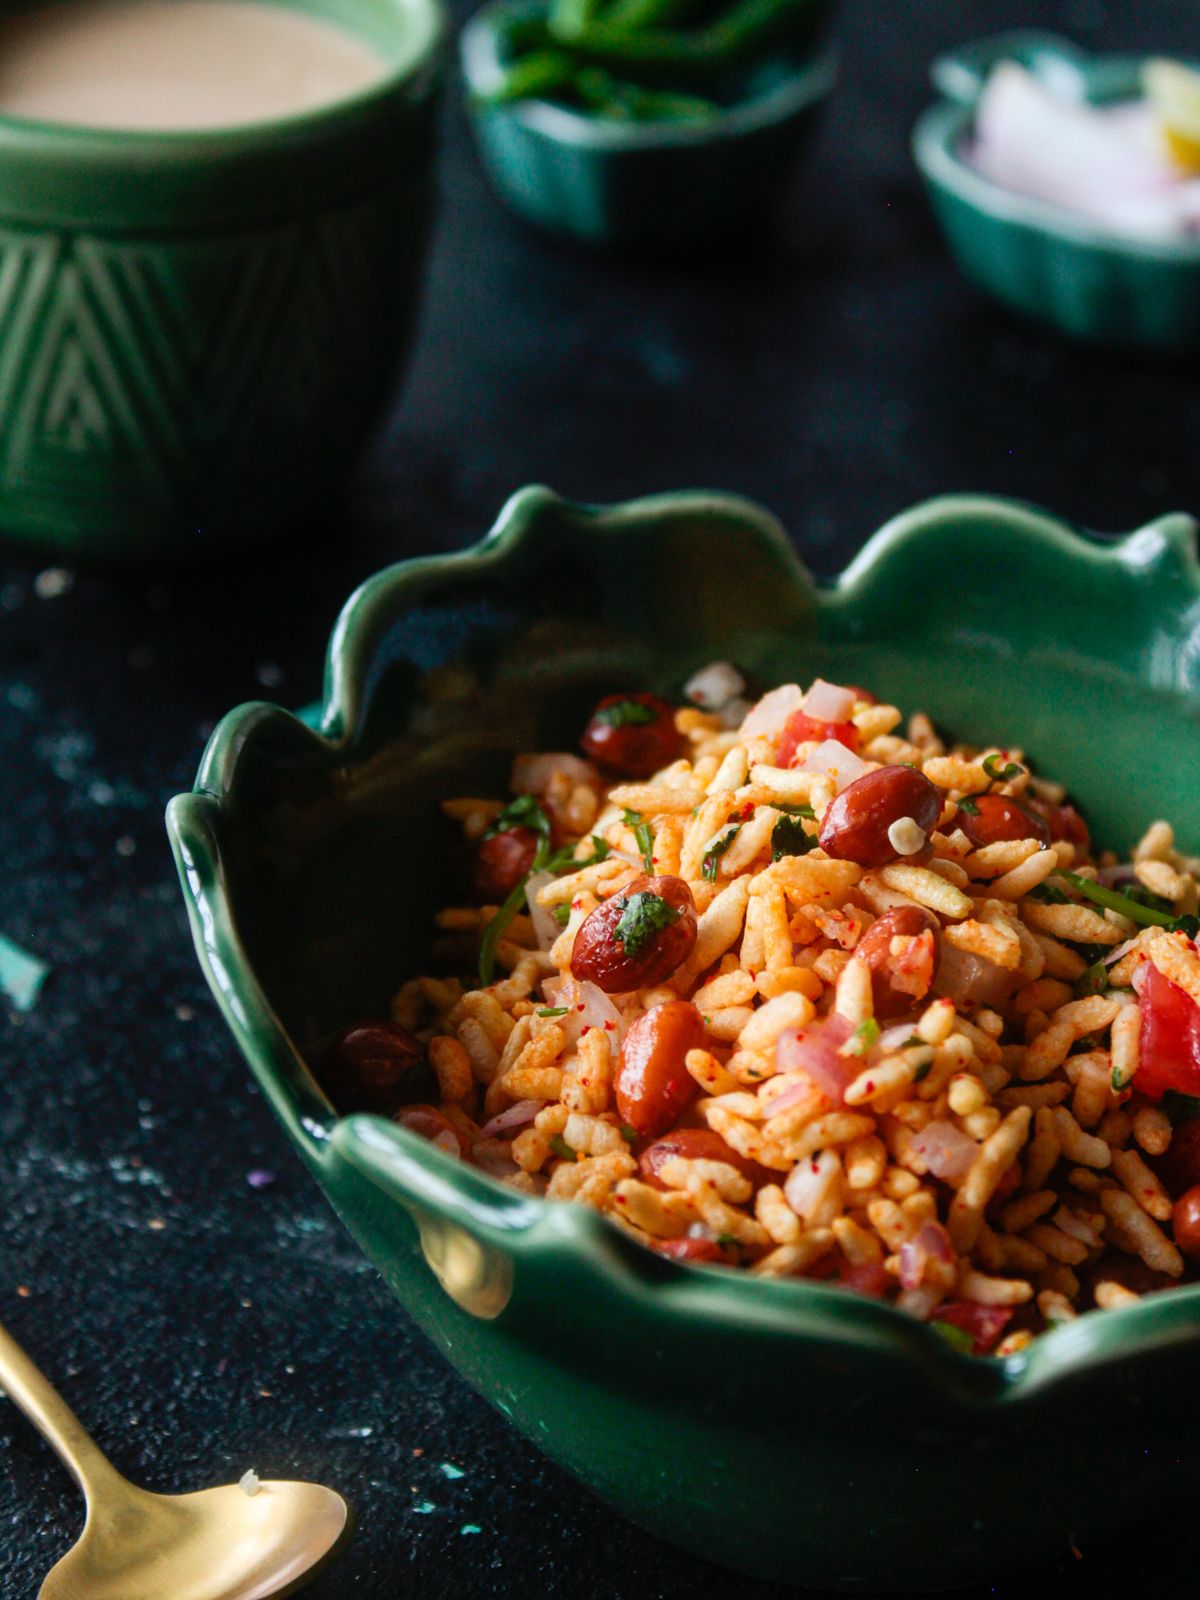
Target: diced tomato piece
[
  {"x": 693, "y": 1250},
  {"x": 800, "y": 728},
  {"x": 1169, "y": 1057},
  {"x": 867, "y": 1277},
  {"x": 1064, "y": 822},
  {"x": 984, "y": 1324}
]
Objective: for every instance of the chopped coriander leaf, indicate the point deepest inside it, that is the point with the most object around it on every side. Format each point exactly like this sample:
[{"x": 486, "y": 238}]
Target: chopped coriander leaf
[
  {"x": 643, "y": 918},
  {"x": 958, "y": 1337},
  {"x": 1049, "y": 895},
  {"x": 865, "y": 1038},
  {"x": 923, "y": 1070},
  {"x": 712, "y": 856},
  {"x": 968, "y": 805},
  {"x": 1113, "y": 900},
  {"x": 1004, "y": 773},
  {"x": 561, "y": 915},
  {"x": 1119, "y": 1081},
  {"x": 629, "y": 1134},
  {"x": 788, "y": 838},
  {"x": 553, "y": 1011},
  {"x": 1180, "y": 1107},
  {"x": 495, "y": 929},
  {"x": 798, "y": 811},
  {"x": 913, "y": 1038},
  {"x": 727, "y": 1241},
  {"x": 565, "y": 860},
  {"x": 562, "y": 1149},
  {"x": 625, "y": 714},
  {"x": 644, "y": 836},
  {"x": 523, "y": 812},
  {"x": 1188, "y": 925},
  {"x": 1093, "y": 981}
]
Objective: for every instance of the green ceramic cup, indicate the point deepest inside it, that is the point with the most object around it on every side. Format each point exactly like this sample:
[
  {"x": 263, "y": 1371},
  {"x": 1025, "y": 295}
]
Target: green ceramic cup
[
  {"x": 1036, "y": 257},
  {"x": 641, "y": 186},
  {"x": 198, "y": 330},
  {"x": 787, "y": 1429}
]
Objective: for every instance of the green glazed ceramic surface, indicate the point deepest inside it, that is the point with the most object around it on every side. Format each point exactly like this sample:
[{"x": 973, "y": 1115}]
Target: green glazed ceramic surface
[
  {"x": 198, "y": 330},
  {"x": 1036, "y": 257},
  {"x": 637, "y": 185},
  {"x": 787, "y": 1429}
]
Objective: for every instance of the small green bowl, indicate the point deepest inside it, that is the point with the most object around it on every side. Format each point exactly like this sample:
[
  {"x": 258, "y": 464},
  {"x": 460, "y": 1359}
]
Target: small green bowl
[
  {"x": 198, "y": 330},
  {"x": 1039, "y": 258},
  {"x": 643, "y": 186},
  {"x": 787, "y": 1429}
]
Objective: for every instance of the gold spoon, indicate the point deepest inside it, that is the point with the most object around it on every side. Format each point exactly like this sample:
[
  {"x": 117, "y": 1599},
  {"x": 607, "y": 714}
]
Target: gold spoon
[{"x": 220, "y": 1544}]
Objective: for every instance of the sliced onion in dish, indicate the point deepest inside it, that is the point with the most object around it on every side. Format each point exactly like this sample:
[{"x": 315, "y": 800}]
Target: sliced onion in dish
[
  {"x": 544, "y": 925},
  {"x": 714, "y": 686},
  {"x": 920, "y": 1303},
  {"x": 815, "y": 1186},
  {"x": 829, "y": 702},
  {"x": 834, "y": 760},
  {"x": 587, "y": 1007},
  {"x": 947, "y": 1151},
  {"x": 772, "y": 711},
  {"x": 534, "y": 774},
  {"x": 1115, "y": 955},
  {"x": 814, "y": 1050},
  {"x": 931, "y": 1243},
  {"x": 897, "y": 1036},
  {"x": 495, "y": 1166},
  {"x": 513, "y": 1120}
]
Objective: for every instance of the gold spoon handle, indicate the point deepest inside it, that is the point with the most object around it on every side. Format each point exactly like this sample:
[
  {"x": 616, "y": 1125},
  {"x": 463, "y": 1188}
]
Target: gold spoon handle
[{"x": 54, "y": 1419}]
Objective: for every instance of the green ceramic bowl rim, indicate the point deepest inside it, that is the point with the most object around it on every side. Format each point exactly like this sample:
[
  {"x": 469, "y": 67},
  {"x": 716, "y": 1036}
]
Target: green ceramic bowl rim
[
  {"x": 59, "y": 142},
  {"x": 806, "y": 85},
  {"x": 415, "y": 1175},
  {"x": 937, "y": 144}
]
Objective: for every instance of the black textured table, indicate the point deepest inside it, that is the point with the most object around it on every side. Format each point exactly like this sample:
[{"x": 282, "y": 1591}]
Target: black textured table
[{"x": 202, "y": 1324}]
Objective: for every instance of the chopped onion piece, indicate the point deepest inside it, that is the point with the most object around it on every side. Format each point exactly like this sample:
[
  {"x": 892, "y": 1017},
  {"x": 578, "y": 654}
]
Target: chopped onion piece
[
  {"x": 518, "y": 1116},
  {"x": 896, "y": 1037},
  {"x": 772, "y": 711},
  {"x": 931, "y": 1243},
  {"x": 815, "y": 1186},
  {"x": 495, "y": 1166},
  {"x": 544, "y": 925},
  {"x": 1115, "y": 955},
  {"x": 947, "y": 1151},
  {"x": 714, "y": 686},
  {"x": 829, "y": 702},
  {"x": 587, "y": 1007},
  {"x": 836, "y": 761},
  {"x": 735, "y": 713},
  {"x": 814, "y": 1050}
]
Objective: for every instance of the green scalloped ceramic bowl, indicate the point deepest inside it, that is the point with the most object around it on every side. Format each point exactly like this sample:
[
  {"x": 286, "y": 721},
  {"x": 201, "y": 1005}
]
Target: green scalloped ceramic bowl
[
  {"x": 199, "y": 330},
  {"x": 786, "y": 1429},
  {"x": 1035, "y": 257},
  {"x": 645, "y": 186}
]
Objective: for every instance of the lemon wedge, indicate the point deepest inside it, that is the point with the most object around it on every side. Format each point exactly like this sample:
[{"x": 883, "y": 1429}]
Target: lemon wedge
[{"x": 1173, "y": 91}]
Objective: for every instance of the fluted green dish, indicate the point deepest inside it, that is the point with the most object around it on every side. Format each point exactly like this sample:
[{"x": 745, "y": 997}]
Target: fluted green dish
[
  {"x": 787, "y": 1429},
  {"x": 198, "y": 330},
  {"x": 1039, "y": 258},
  {"x": 642, "y": 186}
]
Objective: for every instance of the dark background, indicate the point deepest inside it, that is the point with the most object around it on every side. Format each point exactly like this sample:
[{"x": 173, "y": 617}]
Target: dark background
[{"x": 837, "y": 373}]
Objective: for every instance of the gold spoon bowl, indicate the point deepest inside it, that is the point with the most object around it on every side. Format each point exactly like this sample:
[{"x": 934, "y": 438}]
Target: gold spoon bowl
[{"x": 217, "y": 1544}]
